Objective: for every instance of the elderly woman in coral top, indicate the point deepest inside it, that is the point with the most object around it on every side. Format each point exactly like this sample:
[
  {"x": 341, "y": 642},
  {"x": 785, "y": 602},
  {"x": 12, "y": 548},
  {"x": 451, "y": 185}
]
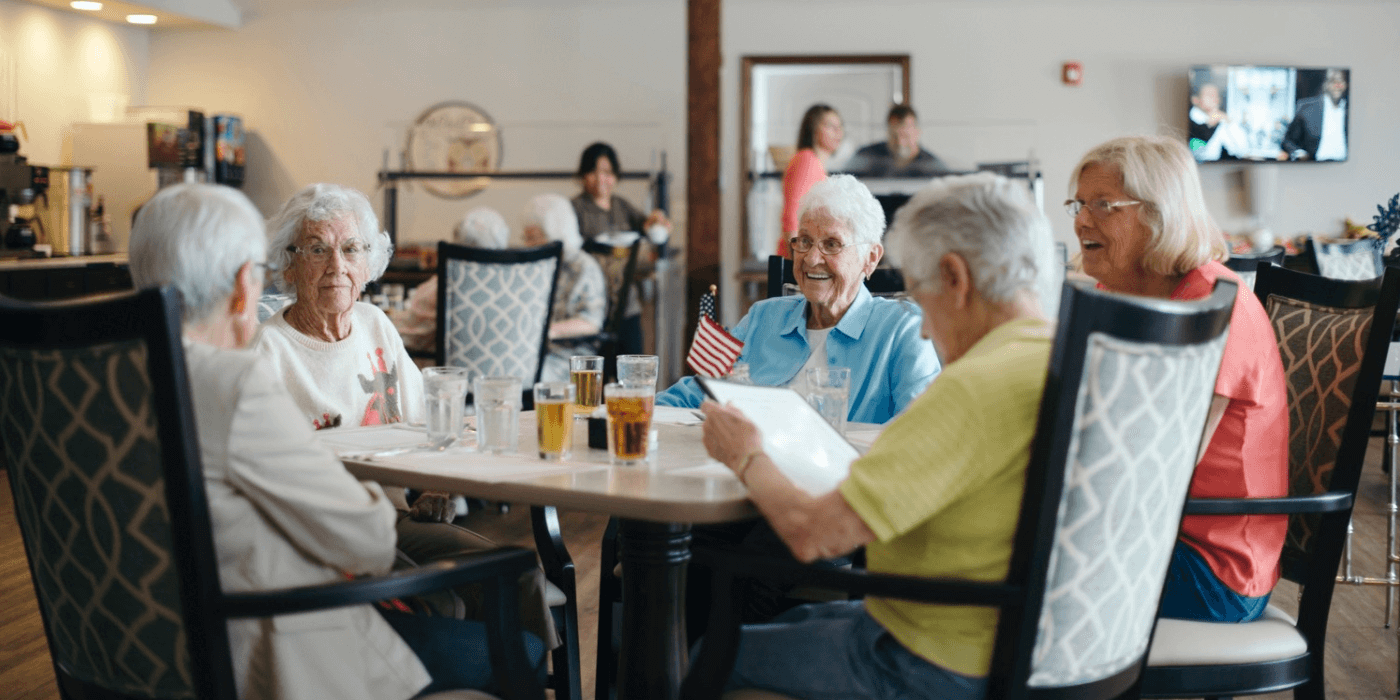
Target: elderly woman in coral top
[
  {"x": 818, "y": 138},
  {"x": 1143, "y": 228}
]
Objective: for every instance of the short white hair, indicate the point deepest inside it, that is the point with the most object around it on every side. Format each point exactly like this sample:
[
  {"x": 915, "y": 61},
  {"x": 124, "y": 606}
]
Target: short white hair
[
  {"x": 326, "y": 202},
  {"x": 555, "y": 216},
  {"x": 986, "y": 219},
  {"x": 482, "y": 227},
  {"x": 849, "y": 201},
  {"x": 195, "y": 237}
]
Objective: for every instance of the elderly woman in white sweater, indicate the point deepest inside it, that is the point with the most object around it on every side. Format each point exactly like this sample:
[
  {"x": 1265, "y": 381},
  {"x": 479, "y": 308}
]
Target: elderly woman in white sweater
[
  {"x": 345, "y": 364},
  {"x": 284, "y": 511}
]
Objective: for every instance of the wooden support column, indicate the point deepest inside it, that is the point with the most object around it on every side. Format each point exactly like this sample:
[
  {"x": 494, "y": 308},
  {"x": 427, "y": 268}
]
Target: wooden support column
[{"x": 702, "y": 154}]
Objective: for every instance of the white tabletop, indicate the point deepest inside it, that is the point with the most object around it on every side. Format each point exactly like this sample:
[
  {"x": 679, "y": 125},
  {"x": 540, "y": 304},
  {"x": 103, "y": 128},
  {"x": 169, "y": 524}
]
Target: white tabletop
[{"x": 679, "y": 483}]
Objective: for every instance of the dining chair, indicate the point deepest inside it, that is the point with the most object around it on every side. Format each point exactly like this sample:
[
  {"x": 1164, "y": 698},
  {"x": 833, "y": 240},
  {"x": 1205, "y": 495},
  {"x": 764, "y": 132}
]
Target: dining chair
[
  {"x": 493, "y": 309},
  {"x": 1333, "y": 336},
  {"x": 884, "y": 281},
  {"x": 1246, "y": 265},
  {"x": 270, "y": 304},
  {"x": 98, "y": 435},
  {"x": 619, "y": 264},
  {"x": 1121, "y": 417},
  {"x": 1348, "y": 260}
]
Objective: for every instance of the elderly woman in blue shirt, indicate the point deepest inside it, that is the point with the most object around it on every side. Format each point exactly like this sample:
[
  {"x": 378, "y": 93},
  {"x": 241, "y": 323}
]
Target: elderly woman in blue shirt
[{"x": 836, "y": 322}]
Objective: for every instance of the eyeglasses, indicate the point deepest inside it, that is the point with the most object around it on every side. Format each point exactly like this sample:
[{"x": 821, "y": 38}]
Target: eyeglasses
[
  {"x": 1098, "y": 207},
  {"x": 320, "y": 252},
  {"x": 828, "y": 246}
]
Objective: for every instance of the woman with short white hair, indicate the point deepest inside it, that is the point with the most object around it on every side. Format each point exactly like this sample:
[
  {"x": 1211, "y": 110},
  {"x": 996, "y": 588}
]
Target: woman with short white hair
[
  {"x": 835, "y": 322},
  {"x": 284, "y": 511},
  {"x": 482, "y": 227},
  {"x": 939, "y": 491},
  {"x": 580, "y": 294}
]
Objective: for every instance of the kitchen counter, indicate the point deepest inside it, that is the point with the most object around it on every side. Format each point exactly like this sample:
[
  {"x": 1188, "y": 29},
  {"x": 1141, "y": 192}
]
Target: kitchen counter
[
  {"x": 11, "y": 264},
  {"x": 65, "y": 277}
]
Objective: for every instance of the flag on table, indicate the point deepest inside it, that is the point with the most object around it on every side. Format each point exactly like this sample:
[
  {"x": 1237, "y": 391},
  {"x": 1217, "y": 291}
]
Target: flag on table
[{"x": 714, "y": 350}]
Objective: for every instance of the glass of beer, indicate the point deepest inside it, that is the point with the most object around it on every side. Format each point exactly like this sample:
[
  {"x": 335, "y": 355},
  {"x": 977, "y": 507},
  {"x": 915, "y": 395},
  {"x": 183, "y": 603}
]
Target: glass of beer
[
  {"x": 445, "y": 399},
  {"x": 554, "y": 403},
  {"x": 497, "y": 413},
  {"x": 629, "y": 422},
  {"x": 637, "y": 370},
  {"x": 586, "y": 372}
]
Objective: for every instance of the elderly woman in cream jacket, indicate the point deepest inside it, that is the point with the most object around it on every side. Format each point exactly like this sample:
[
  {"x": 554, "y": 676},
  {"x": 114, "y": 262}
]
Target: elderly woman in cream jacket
[{"x": 284, "y": 510}]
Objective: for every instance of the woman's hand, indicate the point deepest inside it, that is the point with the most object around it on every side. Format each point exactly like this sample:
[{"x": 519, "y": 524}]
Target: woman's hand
[
  {"x": 729, "y": 437},
  {"x": 433, "y": 507}
]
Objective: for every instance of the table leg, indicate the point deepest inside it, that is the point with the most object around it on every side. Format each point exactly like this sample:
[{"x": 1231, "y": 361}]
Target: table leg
[{"x": 653, "y": 657}]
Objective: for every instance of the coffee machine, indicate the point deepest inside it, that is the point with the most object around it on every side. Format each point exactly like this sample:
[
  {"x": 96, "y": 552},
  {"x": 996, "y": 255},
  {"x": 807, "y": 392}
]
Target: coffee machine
[{"x": 20, "y": 183}]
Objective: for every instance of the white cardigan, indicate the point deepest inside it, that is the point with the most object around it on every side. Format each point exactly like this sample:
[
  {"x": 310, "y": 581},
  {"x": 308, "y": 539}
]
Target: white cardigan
[{"x": 286, "y": 513}]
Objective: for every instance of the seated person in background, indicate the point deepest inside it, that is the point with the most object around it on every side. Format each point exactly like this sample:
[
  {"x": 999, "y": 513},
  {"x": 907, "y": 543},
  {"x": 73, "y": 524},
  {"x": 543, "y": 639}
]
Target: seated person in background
[
  {"x": 482, "y": 227},
  {"x": 580, "y": 294},
  {"x": 835, "y": 321},
  {"x": 901, "y": 155},
  {"x": 284, "y": 511},
  {"x": 939, "y": 491},
  {"x": 343, "y": 363},
  {"x": 602, "y": 212},
  {"x": 1142, "y": 222}
]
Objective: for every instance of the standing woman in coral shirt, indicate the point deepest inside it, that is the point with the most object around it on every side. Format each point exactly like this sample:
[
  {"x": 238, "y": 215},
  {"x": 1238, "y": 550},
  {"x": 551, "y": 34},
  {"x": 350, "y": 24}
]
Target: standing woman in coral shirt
[{"x": 818, "y": 137}]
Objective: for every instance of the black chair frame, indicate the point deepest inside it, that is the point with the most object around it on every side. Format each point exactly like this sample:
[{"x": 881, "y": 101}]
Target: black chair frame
[
  {"x": 1249, "y": 262},
  {"x": 609, "y": 339},
  {"x": 1020, "y": 598},
  {"x": 1317, "y": 574},
  {"x": 154, "y": 316},
  {"x": 883, "y": 281}
]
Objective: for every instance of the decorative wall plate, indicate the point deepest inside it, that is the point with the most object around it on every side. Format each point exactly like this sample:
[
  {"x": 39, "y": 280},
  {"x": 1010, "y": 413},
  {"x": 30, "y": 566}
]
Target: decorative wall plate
[{"x": 453, "y": 137}]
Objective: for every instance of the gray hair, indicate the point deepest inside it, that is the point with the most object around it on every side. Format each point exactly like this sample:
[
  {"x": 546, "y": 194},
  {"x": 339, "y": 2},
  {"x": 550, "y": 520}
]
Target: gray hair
[
  {"x": 556, "y": 218},
  {"x": 482, "y": 227},
  {"x": 326, "y": 202},
  {"x": 849, "y": 201},
  {"x": 986, "y": 219},
  {"x": 196, "y": 237},
  {"x": 1161, "y": 173}
]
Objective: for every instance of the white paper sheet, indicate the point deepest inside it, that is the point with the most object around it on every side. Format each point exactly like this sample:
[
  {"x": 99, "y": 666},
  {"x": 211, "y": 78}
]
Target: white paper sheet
[
  {"x": 798, "y": 440},
  {"x": 671, "y": 415}
]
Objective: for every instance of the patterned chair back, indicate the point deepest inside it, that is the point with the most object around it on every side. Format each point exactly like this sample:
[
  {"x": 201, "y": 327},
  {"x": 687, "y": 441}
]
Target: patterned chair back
[
  {"x": 619, "y": 265},
  {"x": 1354, "y": 260},
  {"x": 1124, "y": 409},
  {"x": 493, "y": 308},
  {"x": 270, "y": 304},
  {"x": 97, "y": 436},
  {"x": 1333, "y": 350}
]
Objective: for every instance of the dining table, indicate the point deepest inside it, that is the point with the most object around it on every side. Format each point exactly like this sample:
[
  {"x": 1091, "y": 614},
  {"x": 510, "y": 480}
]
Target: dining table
[{"x": 656, "y": 504}]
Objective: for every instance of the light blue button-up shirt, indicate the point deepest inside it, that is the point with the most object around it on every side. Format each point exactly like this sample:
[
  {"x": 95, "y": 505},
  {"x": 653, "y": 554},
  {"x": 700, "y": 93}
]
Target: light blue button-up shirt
[{"x": 878, "y": 339}]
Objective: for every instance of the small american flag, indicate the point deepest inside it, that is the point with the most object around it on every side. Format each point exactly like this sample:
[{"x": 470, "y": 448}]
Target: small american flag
[{"x": 714, "y": 350}]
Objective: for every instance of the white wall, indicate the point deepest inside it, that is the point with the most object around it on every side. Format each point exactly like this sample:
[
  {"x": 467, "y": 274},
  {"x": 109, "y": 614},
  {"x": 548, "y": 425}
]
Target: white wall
[
  {"x": 986, "y": 84},
  {"x": 325, "y": 88},
  {"x": 58, "y": 68}
]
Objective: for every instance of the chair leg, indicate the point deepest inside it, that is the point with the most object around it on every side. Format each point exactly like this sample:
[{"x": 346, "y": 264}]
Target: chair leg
[
  {"x": 608, "y": 592},
  {"x": 559, "y": 569}
]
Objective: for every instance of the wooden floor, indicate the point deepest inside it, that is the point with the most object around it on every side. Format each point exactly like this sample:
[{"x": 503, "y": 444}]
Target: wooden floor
[{"x": 1361, "y": 653}]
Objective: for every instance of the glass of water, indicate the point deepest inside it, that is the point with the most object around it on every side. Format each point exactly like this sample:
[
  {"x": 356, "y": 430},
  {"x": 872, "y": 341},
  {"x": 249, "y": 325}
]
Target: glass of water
[
  {"x": 829, "y": 390},
  {"x": 637, "y": 370},
  {"x": 497, "y": 413},
  {"x": 445, "y": 396}
]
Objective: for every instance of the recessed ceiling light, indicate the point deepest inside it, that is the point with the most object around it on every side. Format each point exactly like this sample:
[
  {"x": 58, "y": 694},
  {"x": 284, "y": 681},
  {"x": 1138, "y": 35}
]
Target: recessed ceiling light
[
  {"x": 141, "y": 19},
  {"x": 88, "y": 5}
]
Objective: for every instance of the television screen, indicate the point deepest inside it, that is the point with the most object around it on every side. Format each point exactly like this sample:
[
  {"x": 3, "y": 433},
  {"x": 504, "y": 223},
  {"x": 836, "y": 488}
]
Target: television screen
[{"x": 1268, "y": 113}]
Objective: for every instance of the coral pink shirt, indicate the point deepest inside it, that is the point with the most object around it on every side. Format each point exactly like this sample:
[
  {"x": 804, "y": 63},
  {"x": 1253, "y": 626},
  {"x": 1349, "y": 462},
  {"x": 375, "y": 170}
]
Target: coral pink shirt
[
  {"x": 804, "y": 170},
  {"x": 1248, "y": 454}
]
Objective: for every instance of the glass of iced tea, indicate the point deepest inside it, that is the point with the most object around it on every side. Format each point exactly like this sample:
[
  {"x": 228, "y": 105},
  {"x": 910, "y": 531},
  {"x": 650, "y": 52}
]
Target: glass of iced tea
[
  {"x": 554, "y": 404},
  {"x": 586, "y": 372},
  {"x": 629, "y": 422}
]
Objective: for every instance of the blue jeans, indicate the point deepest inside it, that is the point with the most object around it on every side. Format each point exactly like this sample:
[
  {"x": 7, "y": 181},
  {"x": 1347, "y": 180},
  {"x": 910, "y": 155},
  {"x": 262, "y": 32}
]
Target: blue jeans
[
  {"x": 836, "y": 651},
  {"x": 1194, "y": 593},
  {"x": 454, "y": 651}
]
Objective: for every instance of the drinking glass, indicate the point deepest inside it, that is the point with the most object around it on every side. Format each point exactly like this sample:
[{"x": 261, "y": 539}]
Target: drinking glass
[
  {"x": 554, "y": 403},
  {"x": 739, "y": 373},
  {"x": 637, "y": 370},
  {"x": 497, "y": 413},
  {"x": 445, "y": 397},
  {"x": 629, "y": 422},
  {"x": 828, "y": 389},
  {"x": 586, "y": 372}
]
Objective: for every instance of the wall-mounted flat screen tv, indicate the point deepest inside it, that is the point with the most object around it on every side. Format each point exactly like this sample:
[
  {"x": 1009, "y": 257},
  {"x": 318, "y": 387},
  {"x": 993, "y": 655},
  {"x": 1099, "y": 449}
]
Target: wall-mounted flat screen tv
[{"x": 1269, "y": 113}]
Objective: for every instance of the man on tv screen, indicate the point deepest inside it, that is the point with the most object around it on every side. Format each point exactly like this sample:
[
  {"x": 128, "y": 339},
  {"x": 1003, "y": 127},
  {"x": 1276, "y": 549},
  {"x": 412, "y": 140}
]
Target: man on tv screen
[
  {"x": 1319, "y": 128},
  {"x": 901, "y": 155}
]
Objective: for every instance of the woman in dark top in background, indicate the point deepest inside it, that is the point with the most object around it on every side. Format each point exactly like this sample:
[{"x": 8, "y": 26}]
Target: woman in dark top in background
[{"x": 601, "y": 211}]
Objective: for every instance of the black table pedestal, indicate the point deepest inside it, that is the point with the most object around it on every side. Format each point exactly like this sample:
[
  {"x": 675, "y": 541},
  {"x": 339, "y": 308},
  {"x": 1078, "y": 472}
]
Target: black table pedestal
[{"x": 654, "y": 654}]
